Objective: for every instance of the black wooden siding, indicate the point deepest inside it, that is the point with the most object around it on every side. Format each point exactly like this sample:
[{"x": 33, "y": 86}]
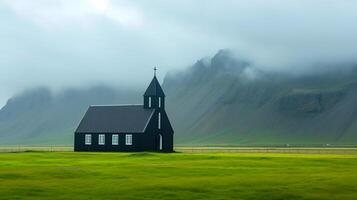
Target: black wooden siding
[
  {"x": 140, "y": 142},
  {"x": 147, "y": 141}
]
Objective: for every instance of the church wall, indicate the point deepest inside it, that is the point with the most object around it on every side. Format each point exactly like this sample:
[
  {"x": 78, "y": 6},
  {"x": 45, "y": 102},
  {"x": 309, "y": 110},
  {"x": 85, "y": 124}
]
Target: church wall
[{"x": 140, "y": 142}]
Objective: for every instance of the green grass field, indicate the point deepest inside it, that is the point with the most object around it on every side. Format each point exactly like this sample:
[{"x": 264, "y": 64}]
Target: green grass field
[{"x": 71, "y": 175}]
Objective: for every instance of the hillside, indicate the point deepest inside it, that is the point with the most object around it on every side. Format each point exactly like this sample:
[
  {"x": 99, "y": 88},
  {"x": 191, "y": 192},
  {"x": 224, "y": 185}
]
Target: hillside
[
  {"x": 218, "y": 101},
  {"x": 40, "y": 117}
]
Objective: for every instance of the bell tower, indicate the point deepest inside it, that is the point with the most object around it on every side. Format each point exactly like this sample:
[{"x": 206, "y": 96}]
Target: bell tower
[{"x": 154, "y": 96}]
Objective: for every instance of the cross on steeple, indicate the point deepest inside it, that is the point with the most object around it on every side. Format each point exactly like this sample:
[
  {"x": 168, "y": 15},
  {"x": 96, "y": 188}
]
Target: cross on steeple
[{"x": 155, "y": 71}]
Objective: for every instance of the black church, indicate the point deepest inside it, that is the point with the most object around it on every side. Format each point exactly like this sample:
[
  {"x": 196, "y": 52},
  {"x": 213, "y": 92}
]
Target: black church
[{"x": 127, "y": 128}]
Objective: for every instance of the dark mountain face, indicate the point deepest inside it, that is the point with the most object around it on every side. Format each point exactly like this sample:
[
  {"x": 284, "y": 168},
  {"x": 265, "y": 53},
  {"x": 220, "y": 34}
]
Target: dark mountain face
[
  {"x": 218, "y": 101},
  {"x": 39, "y": 117},
  {"x": 36, "y": 99},
  {"x": 237, "y": 104}
]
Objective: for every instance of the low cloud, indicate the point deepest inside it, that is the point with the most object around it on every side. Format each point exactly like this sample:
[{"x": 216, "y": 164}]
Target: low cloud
[
  {"x": 66, "y": 43},
  {"x": 59, "y": 13}
]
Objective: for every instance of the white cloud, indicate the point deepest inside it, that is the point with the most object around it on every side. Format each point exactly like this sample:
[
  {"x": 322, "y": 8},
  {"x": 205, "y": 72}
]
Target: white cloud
[{"x": 60, "y": 13}]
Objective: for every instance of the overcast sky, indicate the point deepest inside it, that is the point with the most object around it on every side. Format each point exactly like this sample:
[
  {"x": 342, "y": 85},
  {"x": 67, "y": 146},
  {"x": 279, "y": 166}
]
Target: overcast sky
[{"x": 76, "y": 43}]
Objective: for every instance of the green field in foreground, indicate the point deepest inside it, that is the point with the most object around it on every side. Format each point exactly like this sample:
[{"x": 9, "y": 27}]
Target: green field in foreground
[{"x": 71, "y": 175}]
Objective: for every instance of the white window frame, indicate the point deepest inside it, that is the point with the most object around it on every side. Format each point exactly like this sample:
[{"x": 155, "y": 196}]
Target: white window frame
[
  {"x": 101, "y": 139},
  {"x": 128, "y": 139},
  {"x": 149, "y": 102},
  {"x": 159, "y": 102},
  {"x": 115, "y": 139},
  {"x": 87, "y": 139},
  {"x": 159, "y": 121}
]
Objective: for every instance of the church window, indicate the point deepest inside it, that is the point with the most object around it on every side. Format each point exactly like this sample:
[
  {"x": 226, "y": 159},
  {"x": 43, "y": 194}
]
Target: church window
[
  {"x": 159, "y": 121},
  {"x": 88, "y": 139},
  {"x": 159, "y": 102},
  {"x": 101, "y": 139},
  {"x": 128, "y": 139},
  {"x": 149, "y": 102},
  {"x": 115, "y": 139}
]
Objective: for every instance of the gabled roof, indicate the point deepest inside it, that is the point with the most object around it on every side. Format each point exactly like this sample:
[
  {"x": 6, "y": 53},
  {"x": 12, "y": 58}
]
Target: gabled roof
[
  {"x": 115, "y": 119},
  {"x": 154, "y": 89}
]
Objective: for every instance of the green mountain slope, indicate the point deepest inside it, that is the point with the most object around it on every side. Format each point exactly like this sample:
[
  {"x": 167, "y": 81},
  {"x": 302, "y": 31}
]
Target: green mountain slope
[{"x": 217, "y": 101}]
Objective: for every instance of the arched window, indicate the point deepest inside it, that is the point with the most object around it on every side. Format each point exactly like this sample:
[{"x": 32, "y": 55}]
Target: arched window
[
  {"x": 160, "y": 142},
  {"x": 159, "y": 121},
  {"x": 149, "y": 102},
  {"x": 159, "y": 102}
]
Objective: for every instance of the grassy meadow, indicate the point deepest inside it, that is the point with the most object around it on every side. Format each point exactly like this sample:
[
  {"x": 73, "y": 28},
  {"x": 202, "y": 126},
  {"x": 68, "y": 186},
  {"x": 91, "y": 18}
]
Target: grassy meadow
[{"x": 72, "y": 175}]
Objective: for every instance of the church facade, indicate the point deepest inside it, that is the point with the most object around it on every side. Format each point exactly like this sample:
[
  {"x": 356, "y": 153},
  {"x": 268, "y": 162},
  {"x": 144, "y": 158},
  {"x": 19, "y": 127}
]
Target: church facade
[{"x": 127, "y": 128}]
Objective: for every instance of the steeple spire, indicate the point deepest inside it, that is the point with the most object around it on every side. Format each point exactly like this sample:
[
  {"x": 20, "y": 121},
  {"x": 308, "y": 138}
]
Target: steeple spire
[
  {"x": 154, "y": 96},
  {"x": 154, "y": 89}
]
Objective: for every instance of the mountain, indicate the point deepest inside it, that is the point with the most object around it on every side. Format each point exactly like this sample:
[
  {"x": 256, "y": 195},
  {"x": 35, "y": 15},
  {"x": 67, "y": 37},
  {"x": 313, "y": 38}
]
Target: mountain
[
  {"x": 40, "y": 117},
  {"x": 221, "y": 100},
  {"x": 225, "y": 101}
]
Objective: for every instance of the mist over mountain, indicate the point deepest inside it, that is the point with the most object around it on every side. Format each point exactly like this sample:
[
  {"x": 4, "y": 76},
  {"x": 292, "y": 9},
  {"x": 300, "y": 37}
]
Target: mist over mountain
[
  {"x": 65, "y": 44},
  {"x": 40, "y": 117},
  {"x": 223, "y": 100}
]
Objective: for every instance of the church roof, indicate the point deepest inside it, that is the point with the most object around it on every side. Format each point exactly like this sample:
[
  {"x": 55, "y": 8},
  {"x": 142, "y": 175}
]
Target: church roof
[
  {"x": 115, "y": 119},
  {"x": 154, "y": 89}
]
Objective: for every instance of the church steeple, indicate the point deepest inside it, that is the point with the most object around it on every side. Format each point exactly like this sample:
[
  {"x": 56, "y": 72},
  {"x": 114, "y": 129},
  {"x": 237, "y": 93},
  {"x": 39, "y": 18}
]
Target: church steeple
[{"x": 154, "y": 96}]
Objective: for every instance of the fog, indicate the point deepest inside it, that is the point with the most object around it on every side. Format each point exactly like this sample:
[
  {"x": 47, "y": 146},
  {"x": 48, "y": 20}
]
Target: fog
[{"x": 65, "y": 43}]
